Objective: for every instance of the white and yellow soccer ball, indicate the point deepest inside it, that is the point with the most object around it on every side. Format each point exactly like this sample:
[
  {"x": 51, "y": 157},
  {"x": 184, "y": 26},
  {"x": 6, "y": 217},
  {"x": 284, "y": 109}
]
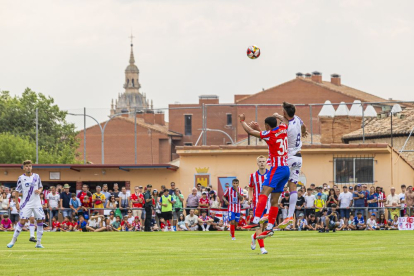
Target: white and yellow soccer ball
[{"x": 253, "y": 52}]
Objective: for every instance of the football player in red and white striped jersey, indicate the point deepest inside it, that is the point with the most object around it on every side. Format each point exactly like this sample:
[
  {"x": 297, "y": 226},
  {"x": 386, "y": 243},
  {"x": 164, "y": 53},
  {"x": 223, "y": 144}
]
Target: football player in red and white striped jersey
[{"x": 233, "y": 197}]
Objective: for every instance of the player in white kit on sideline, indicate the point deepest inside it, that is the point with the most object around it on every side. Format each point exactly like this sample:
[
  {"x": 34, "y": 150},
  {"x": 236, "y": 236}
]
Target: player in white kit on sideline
[
  {"x": 31, "y": 186},
  {"x": 296, "y": 130}
]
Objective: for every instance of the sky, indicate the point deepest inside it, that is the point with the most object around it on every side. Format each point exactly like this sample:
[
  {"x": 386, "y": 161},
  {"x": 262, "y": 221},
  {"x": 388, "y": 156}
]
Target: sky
[{"x": 76, "y": 51}]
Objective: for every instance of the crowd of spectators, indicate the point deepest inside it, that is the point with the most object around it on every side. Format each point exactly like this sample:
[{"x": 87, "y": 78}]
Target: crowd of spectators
[{"x": 317, "y": 209}]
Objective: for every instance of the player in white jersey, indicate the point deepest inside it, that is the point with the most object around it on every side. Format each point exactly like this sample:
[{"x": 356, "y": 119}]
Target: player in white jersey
[
  {"x": 30, "y": 185},
  {"x": 296, "y": 130}
]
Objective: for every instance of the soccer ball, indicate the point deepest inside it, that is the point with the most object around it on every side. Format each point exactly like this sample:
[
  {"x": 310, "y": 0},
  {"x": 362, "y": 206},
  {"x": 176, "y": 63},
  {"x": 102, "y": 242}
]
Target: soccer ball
[{"x": 253, "y": 52}]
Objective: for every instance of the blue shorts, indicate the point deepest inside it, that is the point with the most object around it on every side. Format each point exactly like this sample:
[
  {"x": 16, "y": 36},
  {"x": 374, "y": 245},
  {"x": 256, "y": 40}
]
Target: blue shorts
[
  {"x": 276, "y": 178},
  {"x": 234, "y": 216}
]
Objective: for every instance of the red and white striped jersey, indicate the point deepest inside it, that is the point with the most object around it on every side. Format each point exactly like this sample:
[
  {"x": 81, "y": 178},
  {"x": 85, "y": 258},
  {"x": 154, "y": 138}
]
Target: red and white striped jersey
[
  {"x": 234, "y": 201},
  {"x": 381, "y": 196},
  {"x": 277, "y": 141},
  {"x": 256, "y": 182}
]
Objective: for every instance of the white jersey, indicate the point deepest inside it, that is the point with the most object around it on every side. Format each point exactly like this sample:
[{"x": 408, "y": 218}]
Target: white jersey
[
  {"x": 27, "y": 185},
  {"x": 294, "y": 134}
]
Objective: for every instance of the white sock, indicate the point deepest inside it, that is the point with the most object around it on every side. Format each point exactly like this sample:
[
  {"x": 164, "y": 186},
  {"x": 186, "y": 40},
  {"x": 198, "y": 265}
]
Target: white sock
[
  {"x": 17, "y": 232},
  {"x": 39, "y": 233},
  {"x": 208, "y": 226},
  {"x": 292, "y": 203},
  {"x": 269, "y": 226},
  {"x": 32, "y": 230},
  {"x": 256, "y": 220},
  {"x": 202, "y": 227}
]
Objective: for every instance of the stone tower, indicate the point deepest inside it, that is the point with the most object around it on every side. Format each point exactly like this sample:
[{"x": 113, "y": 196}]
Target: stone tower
[{"x": 131, "y": 98}]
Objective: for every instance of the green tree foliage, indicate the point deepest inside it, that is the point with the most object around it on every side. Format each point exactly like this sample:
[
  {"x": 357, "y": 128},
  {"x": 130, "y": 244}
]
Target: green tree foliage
[{"x": 57, "y": 138}]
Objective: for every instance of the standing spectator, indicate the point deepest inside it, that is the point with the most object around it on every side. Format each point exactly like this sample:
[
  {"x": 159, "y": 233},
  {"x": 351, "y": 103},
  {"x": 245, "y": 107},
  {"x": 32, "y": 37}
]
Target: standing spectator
[
  {"x": 172, "y": 190},
  {"x": 4, "y": 203},
  {"x": 337, "y": 192},
  {"x": 116, "y": 192},
  {"x": 309, "y": 203},
  {"x": 148, "y": 203},
  {"x": 372, "y": 223},
  {"x": 83, "y": 193},
  {"x": 192, "y": 201},
  {"x": 284, "y": 206},
  {"x": 106, "y": 193},
  {"x": 204, "y": 221},
  {"x": 402, "y": 199},
  {"x": 333, "y": 218},
  {"x": 86, "y": 206},
  {"x": 53, "y": 200},
  {"x": 300, "y": 204},
  {"x": 409, "y": 201},
  {"x": 319, "y": 205},
  {"x": 360, "y": 222},
  {"x": 359, "y": 199},
  {"x": 14, "y": 207},
  {"x": 8, "y": 192},
  {"x": 157, "y": 206},
  {"x": 214, "y": 200},
  {"x": 204, "y": 202},
  {"x": 301, "y": 223},
  {"x": 75, "y": 205},
  {"x": 381, "y": 200},
  {"x": 181, "y": 223},
  {"x": 43, "y": 201},
  {"x": 366, "y": 194},
  {"x": 112, "y": 204},
  {"x": 372, "y": 201},
  {"x": 224, "y": 203},
  {"x": 332, "y": 198},
  {"x": 123, "y": 201},
  {"x": 167, "y": 202},
  {"x": 136, "y": 201},
  {"x": 178, "y": 206},
  {"x": 65, "y": 197},
  {"x": 59, "y": 188},
  {"x": 199, "y": 190},
  {"x": 191, "y": 221},
  {"x": 345, "y": 202},
  {"x": 95, "y": 223},
  {"x": 313, "y": 188},
  {"x": 98, "y": 200},
  {"x": 382, "y": 222},
  {"x": 6, "y": 224},
  {"x": 392, "y": 200}
]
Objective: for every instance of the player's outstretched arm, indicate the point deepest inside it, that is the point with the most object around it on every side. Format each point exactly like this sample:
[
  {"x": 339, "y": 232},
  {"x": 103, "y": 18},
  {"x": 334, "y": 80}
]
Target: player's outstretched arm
[
  {"x": 281, "y": 118},
  {"x": 246, "y": 127},
  {"x": 304, "y": 130}
]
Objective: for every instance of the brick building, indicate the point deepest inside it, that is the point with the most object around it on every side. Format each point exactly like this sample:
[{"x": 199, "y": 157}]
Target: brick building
[{"x": 304, "y": 89}]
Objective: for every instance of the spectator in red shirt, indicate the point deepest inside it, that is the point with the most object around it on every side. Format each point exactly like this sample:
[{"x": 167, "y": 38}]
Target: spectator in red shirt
[
  {"x": 204, "y": 202},
  {"x": 66, "y": 225},
  {"x": 136, "y": 201},
  {"x": 74, "y": 224},
  {"x": 55, "y": 224},
  {"x": 86, "y": 204},
  {"x": 204, "y": 221},
  {"x": 136, "y": 225},
  {"x": 242, "y": 222},
  {"x": 125, "y": 225},
  {"x": 250, "y": 217},
  {"x": 84, "y": 192}
]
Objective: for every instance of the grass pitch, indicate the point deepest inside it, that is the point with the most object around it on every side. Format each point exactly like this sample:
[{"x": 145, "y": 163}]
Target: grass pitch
[{"x": 210, "y": 253}]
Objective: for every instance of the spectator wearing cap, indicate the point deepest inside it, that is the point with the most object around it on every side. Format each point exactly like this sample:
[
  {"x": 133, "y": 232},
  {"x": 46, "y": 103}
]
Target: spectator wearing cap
[
  {"x": 372, "y": 223},
  {"x": 359, "y": 200},
  {"x": 75, "y": 205},
  {"x": 167, "y": 202},
  {"x": 301, "y": 222},
  {"x": 333, "y": 218},
  {"x": 192, "y": 201},
  {"x": 392, "y": 201},
  {"x": 98, "y": 200},
  {"x": 284, "y": 206},
  {"x": 65, "y": 198},
  {"x": 345, "y": 203},
  {"x": 148, "y": 203},
  {"x": 319, "y": 205},
  {"x": 136, "y": 201},
  {"x": 204, "y": 203},
  {"x": 178, "y": 206}
]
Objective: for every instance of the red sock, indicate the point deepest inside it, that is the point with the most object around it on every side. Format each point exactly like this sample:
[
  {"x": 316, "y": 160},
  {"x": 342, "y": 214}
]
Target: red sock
[
  {"x": 261, "y": 205},
  {"x": 261, "y": 243},
  {"x": 232, "y": 228},
  {"x": 254, "y": 236},
  {"x": 169, "y": 224},
  {"x": 273, "y": 214}
]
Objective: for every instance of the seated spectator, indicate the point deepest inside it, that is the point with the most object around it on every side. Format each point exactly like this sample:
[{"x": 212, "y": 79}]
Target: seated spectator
[
  {"x": 191, "y": 221},
  {"x": 163, "y": 227},
  {"x": 204, "y": 202},
  {"x": 55, "y": 224},
  {"x": 216, "y": 221},
  {"x": 74, "y": 224},
  {"x": 323, "y": 221},
  {"x": 241, "y": 224},
  {"x": 312, "y": 224},
  {"x": 116, "y": 225},
  {"x": 109, "y": 220},
  {"x": 154, "y": 225},
  {"x": 300, "y": 204},
  {"x": 95, "y": 223},
  {"x": 382, "y": 222},
  {"x": 301, "y": 223},
  {"x": 181, "y": 223},
  {"x": 250, "y": 217},
  {"x": 130, "y": 217},
  {"x": 372, "y": 223},
  {"x": 360, "y": 222},
  {"x": 394, "y": 211},
  {"x": 333, "y": 219},
  {"x": 342, "y": 225},
  {"x": 204, "y": 221},
  {"x": 6, "y": 224},
  {"x": 394, "y": 223},
  {"x": 284, "y": 206},
  {"x": 82, "y": 224},
  {"x": 136, "y": 224},
  {"x": 351, "y": 223},
  {"x": 125, "y": 225},
  {"x": 66, "y": 225}
]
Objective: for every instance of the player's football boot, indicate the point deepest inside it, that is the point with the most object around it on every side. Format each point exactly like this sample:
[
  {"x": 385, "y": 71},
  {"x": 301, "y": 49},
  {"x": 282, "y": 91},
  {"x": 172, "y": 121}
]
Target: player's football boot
[
  {"x": 285, "y": 223},
  {"x": 39, "y": 246},
  {"x": 251, "y": 225},
  {"x": 32, "y": 239},
  {"x": 263, "y": 250},
  {"x": 265, "y": 234},
  {"x": 233, "y": 239},
  {"x": 253, "y": 244},
  {"x": 264, "y": 219},
  {"x": 10, "y": 245}
]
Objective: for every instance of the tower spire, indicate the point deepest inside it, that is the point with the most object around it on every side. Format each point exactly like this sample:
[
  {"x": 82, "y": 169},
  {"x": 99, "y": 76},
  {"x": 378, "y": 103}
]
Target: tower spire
[{"x": 131, "y": 57}]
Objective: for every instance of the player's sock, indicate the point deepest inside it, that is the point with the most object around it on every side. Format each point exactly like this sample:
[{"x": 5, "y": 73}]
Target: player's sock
[
  {"x": 261, "y": 205},
  {"x": 273, "y": 215},
  {"x": 254, "y": 236},
  {"x": 208, "y": 227},
  {"x": 17, "y": 232},
  {"x": 32, "y": 230},
  {"x": 261, "y": 243},
  {"x": 292, "y": 203},
  {"x": 232, "y": 228},
  {"x": 39, "y": 232}
]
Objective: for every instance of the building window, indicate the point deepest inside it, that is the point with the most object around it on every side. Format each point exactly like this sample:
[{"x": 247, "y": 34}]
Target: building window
[
  {"x": 188, "y": 144},
  {"x": 352, "y": 170},
  {"x": 187, "y": 124},
  {"x": 229, "y": 120}
]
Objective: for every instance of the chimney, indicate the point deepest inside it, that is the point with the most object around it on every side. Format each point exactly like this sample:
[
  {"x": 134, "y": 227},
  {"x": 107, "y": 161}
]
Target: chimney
[
  {"x": 159, "y": 119},
  {"x": 308, "y": 76},
  {"x": 336, "y": 79},
  {"x": 317, "y": 76},
  {"x": 125, "y": 113},
  {"x": 299, "y": 75},
  {"x": 149, "y": 117}
]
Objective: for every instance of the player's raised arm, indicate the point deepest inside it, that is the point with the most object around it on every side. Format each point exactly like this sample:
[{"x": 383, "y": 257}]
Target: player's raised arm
[
  {"x": 247, "y": 128},
  {"x": 281, "y": 118}
]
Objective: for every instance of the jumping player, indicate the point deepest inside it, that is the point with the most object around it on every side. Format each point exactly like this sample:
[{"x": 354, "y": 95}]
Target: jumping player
[
  {"x": 31, "y": 186},
  {"x": 255, "y": 186},
  {"x": 233, "y": 197},
  {"x": 276, "y": 138}
]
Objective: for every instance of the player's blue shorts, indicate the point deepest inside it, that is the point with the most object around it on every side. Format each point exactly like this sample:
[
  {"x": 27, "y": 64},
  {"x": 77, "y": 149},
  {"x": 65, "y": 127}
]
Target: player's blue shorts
[
  {"x": 234, "y": 216},
  {"x": 276, "y": 178}
]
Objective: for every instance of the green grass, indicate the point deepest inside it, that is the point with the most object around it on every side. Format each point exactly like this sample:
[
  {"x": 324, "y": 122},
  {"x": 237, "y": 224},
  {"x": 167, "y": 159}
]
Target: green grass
[{"x": 212, "y": 253}]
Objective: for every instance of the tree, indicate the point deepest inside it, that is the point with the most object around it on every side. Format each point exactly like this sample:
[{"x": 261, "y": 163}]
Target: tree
[{"x": 57, "y": 138}]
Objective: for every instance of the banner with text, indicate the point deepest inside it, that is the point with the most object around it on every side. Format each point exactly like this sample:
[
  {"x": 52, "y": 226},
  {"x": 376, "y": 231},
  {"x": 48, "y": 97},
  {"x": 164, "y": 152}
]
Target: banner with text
[{"x": 406, "y": 223}]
